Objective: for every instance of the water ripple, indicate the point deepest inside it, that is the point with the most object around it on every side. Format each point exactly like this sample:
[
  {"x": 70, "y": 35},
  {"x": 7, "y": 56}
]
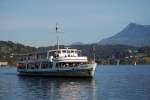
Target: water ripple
[{"x": 109, "y": 83}]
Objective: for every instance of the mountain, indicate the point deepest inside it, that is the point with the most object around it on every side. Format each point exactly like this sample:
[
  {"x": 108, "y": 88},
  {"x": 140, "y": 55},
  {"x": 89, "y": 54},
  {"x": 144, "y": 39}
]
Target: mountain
[
  {"x": 133, "y": 34},
  {"x": 77, "y": 43},
  {"x": 9, "y": 47},
  {"x": 10, "y": 51}
]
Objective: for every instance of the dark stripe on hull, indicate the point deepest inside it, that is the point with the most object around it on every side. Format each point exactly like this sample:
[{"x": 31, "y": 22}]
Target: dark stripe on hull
[{"x": 78, "y": 73}]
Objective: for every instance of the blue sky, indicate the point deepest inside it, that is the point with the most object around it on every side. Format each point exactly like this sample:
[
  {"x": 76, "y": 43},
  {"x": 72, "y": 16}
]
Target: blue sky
[{"x": 32, "y": 22}]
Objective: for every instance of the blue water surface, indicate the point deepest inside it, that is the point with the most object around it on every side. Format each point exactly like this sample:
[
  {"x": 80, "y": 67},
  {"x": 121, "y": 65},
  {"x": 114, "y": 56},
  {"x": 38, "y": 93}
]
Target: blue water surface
[{"x": 111, "y": 82}]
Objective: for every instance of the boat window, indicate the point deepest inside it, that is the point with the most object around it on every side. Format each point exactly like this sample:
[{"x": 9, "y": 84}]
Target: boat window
[
  {"x": 72, "y": 51},
  {"x": 79, "y": 53},
  {"x": 69, "y": 64},
  {"x": 68, "y": 51},
  {"x": 51, "y": 53},
  {"x": 37, "y": 56},
  {"x": 50, "y": 64},
  {"x": 58, "y": 51},
  {"x": 64, "y": 51},
  {"x": 55, "y": 52},
  {"x": 21, "y": 59},
  {"x": 46, "y": 65},
  {"x": 43, "y": 55}
]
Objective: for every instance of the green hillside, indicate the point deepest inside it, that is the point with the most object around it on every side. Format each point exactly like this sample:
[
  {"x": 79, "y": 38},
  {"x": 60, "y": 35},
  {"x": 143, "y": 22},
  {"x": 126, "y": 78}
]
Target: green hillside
[
  {"x": 104, "y": 54},
  {"x": 9, "y": 50}
]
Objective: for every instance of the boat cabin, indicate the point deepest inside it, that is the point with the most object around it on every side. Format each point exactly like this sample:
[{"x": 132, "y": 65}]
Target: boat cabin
[
  {"x": 64, "y": 53},
  {"x": 34, "y": 56},
  {"x": 58, "y": 58}
]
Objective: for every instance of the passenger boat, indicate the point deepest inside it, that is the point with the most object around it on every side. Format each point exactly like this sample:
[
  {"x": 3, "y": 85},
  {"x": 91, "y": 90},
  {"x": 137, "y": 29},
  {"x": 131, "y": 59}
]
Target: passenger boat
[{"x": 64, "y": 62}]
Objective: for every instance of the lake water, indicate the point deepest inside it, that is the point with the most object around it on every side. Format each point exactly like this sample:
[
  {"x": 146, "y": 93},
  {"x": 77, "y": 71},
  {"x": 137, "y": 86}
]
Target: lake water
[{"x": 124, "y": 82}]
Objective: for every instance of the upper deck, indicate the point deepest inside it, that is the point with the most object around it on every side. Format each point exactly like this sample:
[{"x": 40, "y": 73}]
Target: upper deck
[
  {"x": 65, "y": 53},
  {"x": 58, "y": 55}
]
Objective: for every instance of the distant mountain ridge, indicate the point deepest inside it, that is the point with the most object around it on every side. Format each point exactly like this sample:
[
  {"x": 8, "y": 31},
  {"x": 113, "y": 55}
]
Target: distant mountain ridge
[
  {"x": 9, "y": 47},
  {"x": 133, "y": 34},
  {"x": 77, "y": 43}
]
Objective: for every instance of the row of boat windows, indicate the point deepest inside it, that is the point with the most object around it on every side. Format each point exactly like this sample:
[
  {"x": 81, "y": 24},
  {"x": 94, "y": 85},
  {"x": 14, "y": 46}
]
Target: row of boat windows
[
  {"x": 33, "y": 57},
  {"x": 49, "y": 65},
  {"x": 69, "y": 64},
  {"x": 53, "y": 53},
  {"x": 66, "y": 51},
  {"x": 35, "y": 65}
]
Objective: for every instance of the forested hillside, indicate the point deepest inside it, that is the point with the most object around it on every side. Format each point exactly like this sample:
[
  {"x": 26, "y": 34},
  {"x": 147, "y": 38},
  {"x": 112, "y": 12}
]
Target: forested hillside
[{"x": 9, "y": 50}]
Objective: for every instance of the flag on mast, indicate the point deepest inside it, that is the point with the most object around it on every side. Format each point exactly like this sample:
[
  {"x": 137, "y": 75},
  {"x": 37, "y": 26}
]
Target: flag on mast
[
  {"x": 56, "y": 27},
  {"x": 57, "y": 35},
  {"x": 93, "y": 49}
]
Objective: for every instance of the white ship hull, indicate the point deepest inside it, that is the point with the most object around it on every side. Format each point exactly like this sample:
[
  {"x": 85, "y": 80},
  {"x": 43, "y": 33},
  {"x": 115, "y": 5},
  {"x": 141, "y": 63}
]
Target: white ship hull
[{"x": 87, "y": 70}]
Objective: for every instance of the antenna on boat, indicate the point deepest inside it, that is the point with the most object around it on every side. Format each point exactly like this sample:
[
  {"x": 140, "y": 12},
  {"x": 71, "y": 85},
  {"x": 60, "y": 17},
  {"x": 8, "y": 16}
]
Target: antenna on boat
[
  {"x": 93, "y": 50},
  {"x": 57, "y": 36}
]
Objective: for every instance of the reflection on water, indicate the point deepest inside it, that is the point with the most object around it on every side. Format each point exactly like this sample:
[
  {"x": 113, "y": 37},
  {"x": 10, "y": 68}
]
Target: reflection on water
[
  {"x": 57, "y": 88},
  {"x": 14, "y": 87}
]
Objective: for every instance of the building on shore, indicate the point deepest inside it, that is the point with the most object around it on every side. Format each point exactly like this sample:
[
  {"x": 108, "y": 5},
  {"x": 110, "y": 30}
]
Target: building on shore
[{"x": 3, "y": 63}]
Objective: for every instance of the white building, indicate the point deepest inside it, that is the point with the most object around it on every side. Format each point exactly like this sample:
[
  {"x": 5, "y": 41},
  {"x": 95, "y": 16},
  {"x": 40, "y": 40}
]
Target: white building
[{"x": 3, "y": 63}]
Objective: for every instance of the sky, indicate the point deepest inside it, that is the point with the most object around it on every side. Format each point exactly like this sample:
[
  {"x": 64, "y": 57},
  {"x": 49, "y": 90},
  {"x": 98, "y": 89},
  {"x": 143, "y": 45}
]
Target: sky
[{"x": 32, "y": 22}]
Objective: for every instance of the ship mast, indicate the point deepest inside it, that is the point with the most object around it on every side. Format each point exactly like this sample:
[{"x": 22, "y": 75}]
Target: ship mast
[{"x": 57, "y": 36}]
